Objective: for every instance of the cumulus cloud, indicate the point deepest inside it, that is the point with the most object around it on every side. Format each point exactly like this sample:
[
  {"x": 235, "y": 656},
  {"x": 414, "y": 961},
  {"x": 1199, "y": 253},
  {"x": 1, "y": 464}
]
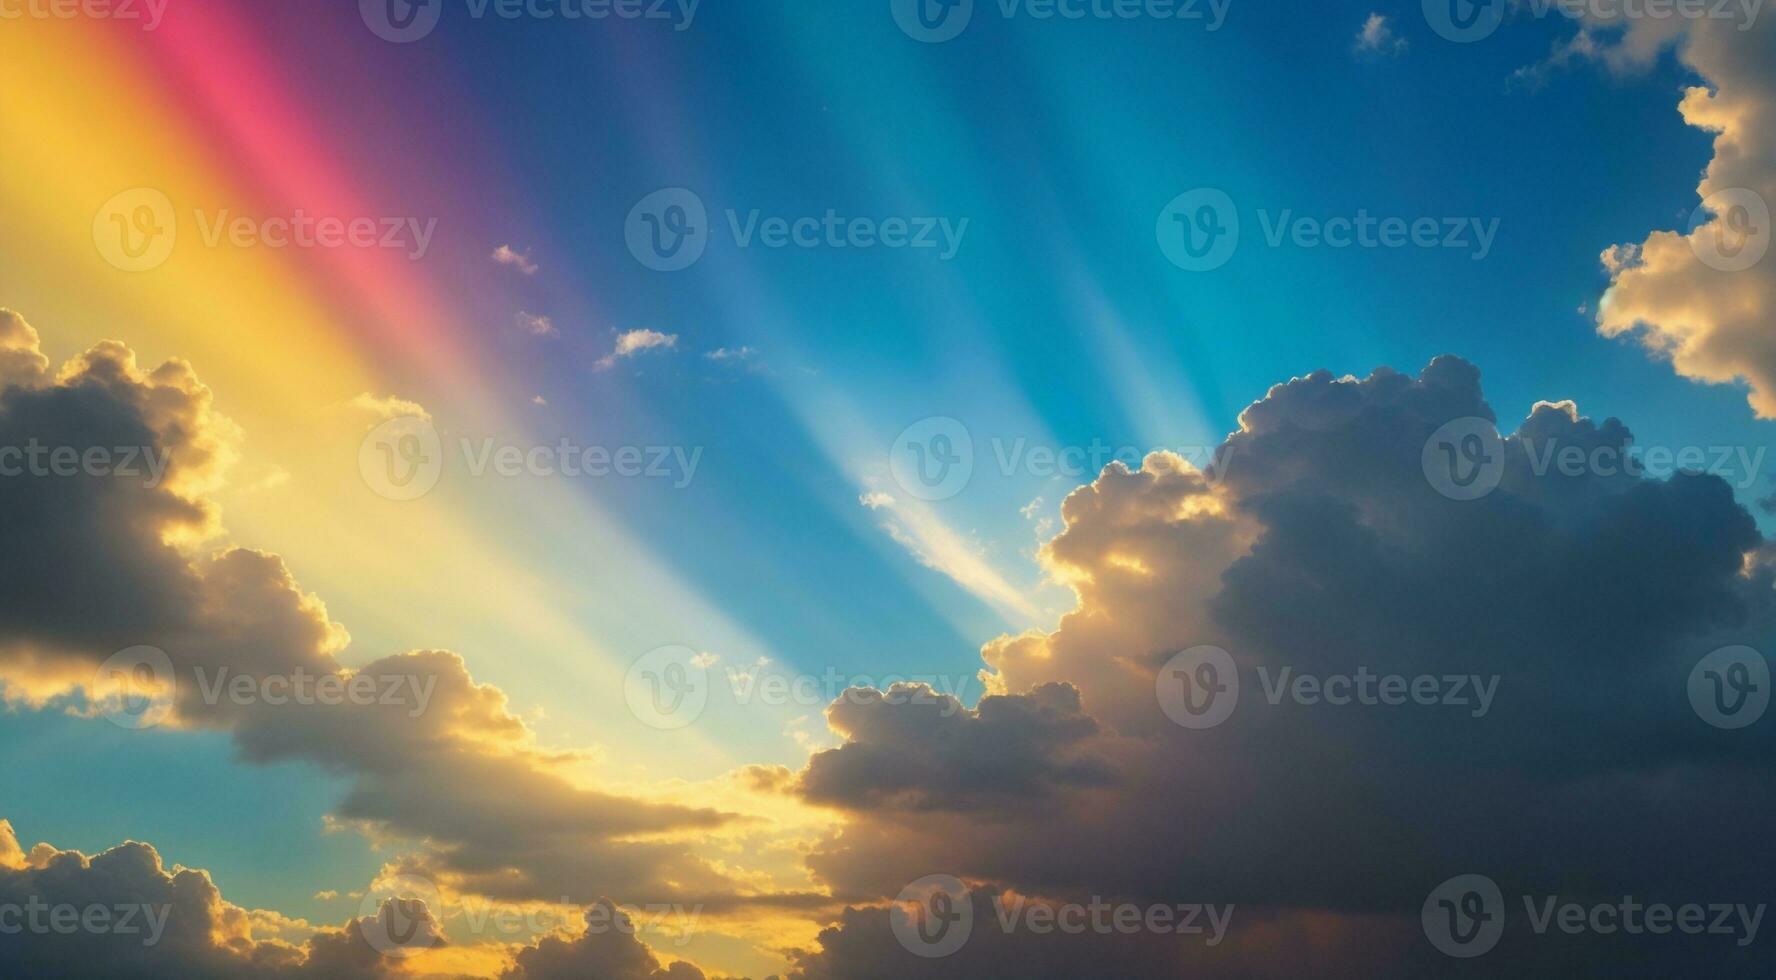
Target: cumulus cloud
[
  {"x": 506, "y": 255},
  {"x": 1587, "y": 600},
  {"x": 1377, "y": 37},
  {"x": 153, "y": 923},
  {"x": 607, "y": 950},
  {"x": 1704, "y": 297},
  {"x": 20, "y": 361},
  {"x": 633, "y": 342},
  {"x": 903, "y": 744},
  {"x": 115, "y": 565}
]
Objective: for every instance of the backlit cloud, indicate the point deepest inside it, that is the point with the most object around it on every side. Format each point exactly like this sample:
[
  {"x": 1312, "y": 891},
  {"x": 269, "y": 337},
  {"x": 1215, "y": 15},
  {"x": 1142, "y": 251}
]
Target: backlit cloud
[{"x": 1326, "y": 551}]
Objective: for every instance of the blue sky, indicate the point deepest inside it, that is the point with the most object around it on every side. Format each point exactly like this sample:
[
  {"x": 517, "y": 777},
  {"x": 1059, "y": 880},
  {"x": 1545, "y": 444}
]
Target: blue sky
[{"x": 1051, "y": 148}]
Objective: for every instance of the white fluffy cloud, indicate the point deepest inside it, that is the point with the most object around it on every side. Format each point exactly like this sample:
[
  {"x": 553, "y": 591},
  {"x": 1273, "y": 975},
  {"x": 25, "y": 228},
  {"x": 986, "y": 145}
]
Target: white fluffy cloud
[{"x": 1705, "y": 296}]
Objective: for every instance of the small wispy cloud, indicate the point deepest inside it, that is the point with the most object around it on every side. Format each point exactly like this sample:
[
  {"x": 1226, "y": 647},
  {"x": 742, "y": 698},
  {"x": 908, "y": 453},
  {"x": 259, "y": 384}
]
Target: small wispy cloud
[
  {"x": 389, "y": 407},
  {"x": 1378, "y": 37},
  {"x": 730, "y": 353},
  {"x": 535, "y": 325},
  {"x": 633, "y": 342},
  {"x": 507, "y": 255},
  {"x": 938, "y": 547}
]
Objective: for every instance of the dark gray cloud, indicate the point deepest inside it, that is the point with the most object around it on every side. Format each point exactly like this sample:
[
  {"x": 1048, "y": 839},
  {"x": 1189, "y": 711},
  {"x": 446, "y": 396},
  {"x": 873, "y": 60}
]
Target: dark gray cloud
[
  {"x": 98, "y": 563},
  {"x": 903, "y": 743},
  {"x": 122, "y": 914},
  {"x": 1586, "y": 599},
  {"x": 607, "y": 950}
]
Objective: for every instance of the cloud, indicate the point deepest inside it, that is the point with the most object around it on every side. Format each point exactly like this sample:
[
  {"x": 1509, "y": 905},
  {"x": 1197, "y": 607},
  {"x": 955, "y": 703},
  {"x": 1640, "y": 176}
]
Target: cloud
[
  {"x": 449, "y": 767},
  {"x": 20, "y": 361},
  {"x": 917, "y": 528},
  {"x": 1377, "y": 37},
  {"x": 730, "y": 354},
  {"x": 633, "y": 342},
  {"x": 536, "y": 326},
  {"x": 388, "y": 407},
  {"x": 607, "y": 950},
  {"x": 900, "y": 745},
  {"x": 1272, "y": 947},
  {"x": 1688, "y": 295},
  {"x": 155, "y": 924},
  {"x": 1326, "y": 551},
  {"x": 508, "y": 256}
]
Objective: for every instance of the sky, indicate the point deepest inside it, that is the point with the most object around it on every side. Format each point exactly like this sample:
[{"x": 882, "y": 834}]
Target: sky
[{"x": 764, "y": 268}]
